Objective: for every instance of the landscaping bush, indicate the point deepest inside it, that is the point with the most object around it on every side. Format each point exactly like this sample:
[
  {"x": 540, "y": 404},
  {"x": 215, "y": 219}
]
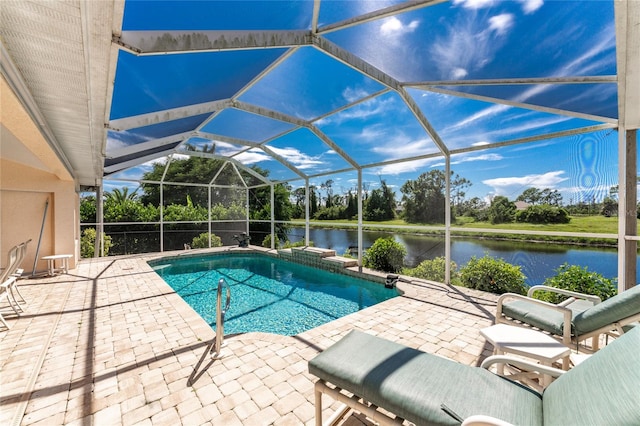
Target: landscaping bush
[
  {"x": 386, "y": 255},
  {"x": 432, "y": 269},
  {"x": 88, "y": 243},
  {"x": 202, "y": 241},
  {"x": 267, "y": 242},
  {"x": 493, "y": 275},
  {"x": 543, "y": 214},
  {"x": 287, "y": 244},
  {"x": 300, "y": 243},
  {"x": 577, "y": 278}
]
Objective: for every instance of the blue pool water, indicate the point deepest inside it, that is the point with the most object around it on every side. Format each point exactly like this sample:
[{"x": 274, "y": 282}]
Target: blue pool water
[{"x": 268, "y": 294}]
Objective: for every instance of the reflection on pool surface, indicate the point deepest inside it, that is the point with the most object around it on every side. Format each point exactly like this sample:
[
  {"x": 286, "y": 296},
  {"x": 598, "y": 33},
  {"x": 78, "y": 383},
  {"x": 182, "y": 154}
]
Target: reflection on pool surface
[{"x": 268, "y": 294}]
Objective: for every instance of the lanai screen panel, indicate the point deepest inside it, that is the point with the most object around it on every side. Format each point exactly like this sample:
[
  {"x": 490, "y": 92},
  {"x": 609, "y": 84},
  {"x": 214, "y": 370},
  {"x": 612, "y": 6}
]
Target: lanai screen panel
[
  {"x": 599, "y": 100},
  {"x": 307, "y": 153},
  {"x": 467, "y": 123},
  {"x": 463, "y": 40},
  {"x": 577, "y": 167},
  {"x": 380, "y": 129},
  {"x": 306, "y": 86},
  {"x": 245, "y": 125}
]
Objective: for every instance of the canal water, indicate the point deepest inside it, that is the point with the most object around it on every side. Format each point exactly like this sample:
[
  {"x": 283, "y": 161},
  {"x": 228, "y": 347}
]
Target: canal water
[{"x": 538, "y": 261}]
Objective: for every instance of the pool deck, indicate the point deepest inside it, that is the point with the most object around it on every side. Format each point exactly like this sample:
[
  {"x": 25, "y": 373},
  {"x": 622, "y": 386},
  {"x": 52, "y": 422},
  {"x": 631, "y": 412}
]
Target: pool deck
[{"x": 111, "y": 343}]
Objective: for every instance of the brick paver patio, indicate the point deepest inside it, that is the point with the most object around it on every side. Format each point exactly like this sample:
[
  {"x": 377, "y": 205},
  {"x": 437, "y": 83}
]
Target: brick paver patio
[{"x": 111, "y": 343}]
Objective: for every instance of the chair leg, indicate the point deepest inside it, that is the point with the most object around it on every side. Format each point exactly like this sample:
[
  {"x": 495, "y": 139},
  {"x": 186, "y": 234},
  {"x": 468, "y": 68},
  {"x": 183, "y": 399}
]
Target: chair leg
[
  {"x": 318, "y": 404},
  {"x": 4, "y": 322},
  {"x": 15, "y": 286}
]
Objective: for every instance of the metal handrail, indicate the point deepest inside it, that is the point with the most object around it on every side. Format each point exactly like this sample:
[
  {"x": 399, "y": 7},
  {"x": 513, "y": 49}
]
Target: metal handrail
[{"x": 220, "y": 315}]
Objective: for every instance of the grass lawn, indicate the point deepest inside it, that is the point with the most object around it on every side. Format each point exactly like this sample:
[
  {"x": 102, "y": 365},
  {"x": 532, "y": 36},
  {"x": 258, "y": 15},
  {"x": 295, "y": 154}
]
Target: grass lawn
[{"x": 578, "y": 224}]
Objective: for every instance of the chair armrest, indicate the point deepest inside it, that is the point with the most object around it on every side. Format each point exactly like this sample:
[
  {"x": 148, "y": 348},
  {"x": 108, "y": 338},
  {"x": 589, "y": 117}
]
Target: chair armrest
[
  {"x": 589, "y": 297},
  {"x": 8, "y": 282},
  {"x": 522, "y": 364},
  {"x": 482, "y": 420}
]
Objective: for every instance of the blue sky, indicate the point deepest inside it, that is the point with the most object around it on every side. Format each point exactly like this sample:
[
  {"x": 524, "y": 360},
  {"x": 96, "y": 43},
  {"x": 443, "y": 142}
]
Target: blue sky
[{"x": 455, "y": 41}]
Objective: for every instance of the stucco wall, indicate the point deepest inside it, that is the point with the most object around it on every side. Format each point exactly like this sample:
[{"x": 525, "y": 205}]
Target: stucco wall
[{"x": 24, "y": 192}]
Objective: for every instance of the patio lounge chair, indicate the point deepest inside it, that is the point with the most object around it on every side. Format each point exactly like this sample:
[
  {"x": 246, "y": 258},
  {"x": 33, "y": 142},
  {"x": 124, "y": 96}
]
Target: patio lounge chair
[
  {"x": 22, "y": 253},
  {"x": 576, "y": 319},
  {"x": 7, "y": 280},
  {"x": 429, "y": 390}
]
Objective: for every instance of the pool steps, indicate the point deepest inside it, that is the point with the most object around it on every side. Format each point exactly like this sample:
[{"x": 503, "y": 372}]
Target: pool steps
[{"x": 327, "y": 260}]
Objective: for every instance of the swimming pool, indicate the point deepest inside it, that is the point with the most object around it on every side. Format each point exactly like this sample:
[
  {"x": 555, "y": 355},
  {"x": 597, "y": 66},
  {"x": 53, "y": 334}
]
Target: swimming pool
[{"x": 268, "y": 294}]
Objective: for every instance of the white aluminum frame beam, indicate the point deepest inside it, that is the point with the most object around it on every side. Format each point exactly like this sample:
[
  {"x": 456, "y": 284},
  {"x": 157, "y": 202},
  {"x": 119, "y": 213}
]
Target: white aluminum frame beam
[
  {"x": 144, "y": 146},
  {"x": 163, "y": 116},
  {"x": 147, "y": 43},
  {"x": 523, "y": 105}
]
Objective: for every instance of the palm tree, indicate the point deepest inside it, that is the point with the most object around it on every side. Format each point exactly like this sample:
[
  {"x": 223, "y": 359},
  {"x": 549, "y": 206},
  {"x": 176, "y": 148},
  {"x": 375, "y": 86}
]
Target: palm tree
[{"x": 120, "y": 196}]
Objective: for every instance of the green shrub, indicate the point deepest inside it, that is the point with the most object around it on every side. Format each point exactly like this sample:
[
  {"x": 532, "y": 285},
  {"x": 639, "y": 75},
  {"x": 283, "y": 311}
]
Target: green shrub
[
  {"x": 386, "y": 255},
  {"x": 577, "y": 278},
  {"x": 267, "y": 242},
  {"x": 493, "y": 275},
  {"x": 432, "y": 269},
  {"x": 544, "y": 213},
  {"x": 300, "y": 243},
  {"x": 331, "y": 213},
  {"x": 287, "y": 244},
  {"x": 88, "y": 243},
  {"x": 202, "y": 241}
]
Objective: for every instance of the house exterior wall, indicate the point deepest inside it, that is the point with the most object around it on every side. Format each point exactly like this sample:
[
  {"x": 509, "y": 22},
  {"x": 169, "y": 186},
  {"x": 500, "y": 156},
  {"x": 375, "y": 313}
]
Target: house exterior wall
[{"x": 24, "y": 191}]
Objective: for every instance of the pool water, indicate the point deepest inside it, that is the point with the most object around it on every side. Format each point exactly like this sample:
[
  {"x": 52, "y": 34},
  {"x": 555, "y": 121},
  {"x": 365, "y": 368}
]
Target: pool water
[{"x": 268, "y": 294}]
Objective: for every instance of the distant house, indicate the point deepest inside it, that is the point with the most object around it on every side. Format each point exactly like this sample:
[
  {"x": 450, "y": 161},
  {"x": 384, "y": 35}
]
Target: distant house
[{"x": 521, "y": 205}]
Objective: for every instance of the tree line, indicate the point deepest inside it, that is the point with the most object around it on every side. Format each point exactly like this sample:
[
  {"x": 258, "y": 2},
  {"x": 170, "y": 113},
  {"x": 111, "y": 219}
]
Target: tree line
[{"x": 422, "y": 200}]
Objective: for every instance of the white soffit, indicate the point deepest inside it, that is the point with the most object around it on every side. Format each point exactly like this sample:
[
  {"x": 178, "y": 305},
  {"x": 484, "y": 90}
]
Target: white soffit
[{"x": 61, "y": 51}]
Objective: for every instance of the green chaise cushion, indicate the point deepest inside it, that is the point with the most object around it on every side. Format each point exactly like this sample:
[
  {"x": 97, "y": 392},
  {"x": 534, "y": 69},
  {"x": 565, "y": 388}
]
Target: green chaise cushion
[
  {"x": 412, "y": 384},
  {"x": 611, "y": 310},
  {"x": 603, "y": 390},
  {"x": 535, "y": 315},
  {"x": 542, "y": 317}
]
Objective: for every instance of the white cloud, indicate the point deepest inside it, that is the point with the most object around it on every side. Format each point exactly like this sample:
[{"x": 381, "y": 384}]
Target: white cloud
[
  {"x": 352, "y": 94},
  {"x": 226, "y": 149},
  {"x": 501, "y": 23},
  {"x": 394, "y": 27},
  {"x": 404, "y": 167},
  {"x": 410, "y": 148},
  {"x": 252, "y": 156},
  {"x": 367, "y": 109},
  {"x": 297, "y": 158},
  {"x": 459, "y": 73},
  {"x": 474, "y": 158},
  {"x": 459, "y": 159},
  {"x": 469, "y": 44},
  {"x": 475, "y": 4},
  {"x": 513, "y": 186},
  {"x": 605, "y": 40},
  {"x": 530, "y": 6},
  {"x": 483, "y": 113}
]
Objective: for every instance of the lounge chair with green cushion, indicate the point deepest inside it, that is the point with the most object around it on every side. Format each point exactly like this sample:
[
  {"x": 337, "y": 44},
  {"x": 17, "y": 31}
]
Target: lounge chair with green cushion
[
  {"x": 366, "y": 372},
  {"x": 578, "y": 318}
]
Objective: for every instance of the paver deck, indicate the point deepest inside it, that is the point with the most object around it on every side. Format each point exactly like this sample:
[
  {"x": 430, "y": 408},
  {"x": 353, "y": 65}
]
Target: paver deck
[{"x": 112, "y": 343}]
